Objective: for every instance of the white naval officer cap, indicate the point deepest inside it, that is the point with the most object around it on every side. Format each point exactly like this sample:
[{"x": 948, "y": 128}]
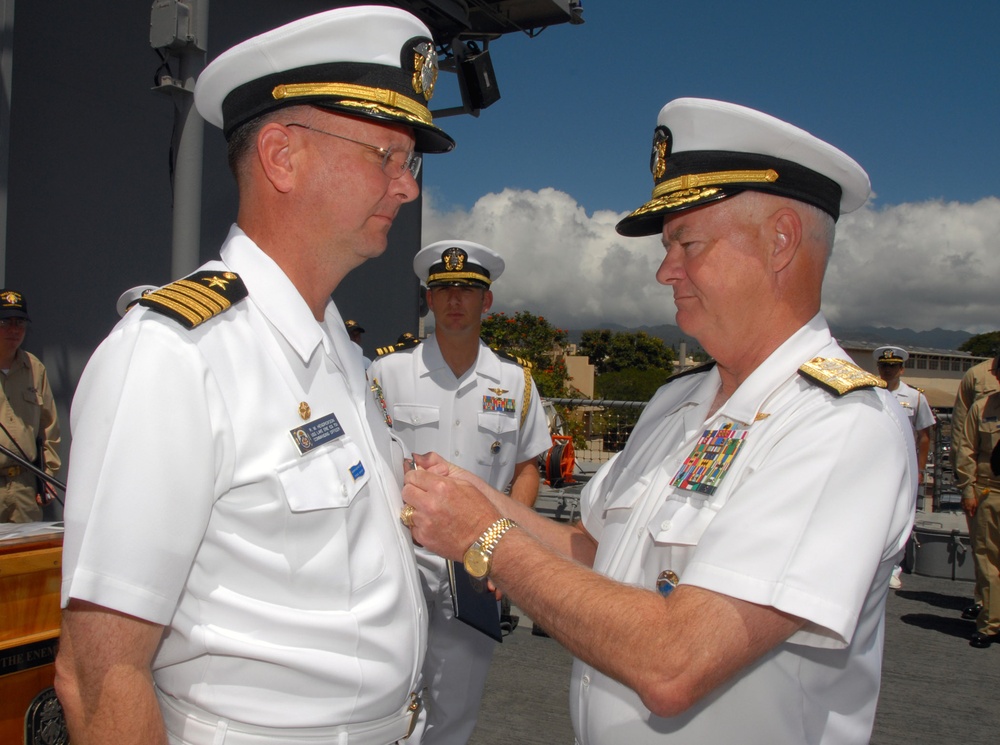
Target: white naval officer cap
[
  {"x": 458, "y": 263},
  {"x": 705, "y": 150},
  {"x": 132, "y": 296},
  {"x": 366, "y": 61},
  {"x": 891, "y": 355}
]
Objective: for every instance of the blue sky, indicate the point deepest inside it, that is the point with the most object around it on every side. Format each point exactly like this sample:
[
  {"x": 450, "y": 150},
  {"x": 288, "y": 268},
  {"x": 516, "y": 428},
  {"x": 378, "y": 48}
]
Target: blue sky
[{"x": 909, "y": 89}]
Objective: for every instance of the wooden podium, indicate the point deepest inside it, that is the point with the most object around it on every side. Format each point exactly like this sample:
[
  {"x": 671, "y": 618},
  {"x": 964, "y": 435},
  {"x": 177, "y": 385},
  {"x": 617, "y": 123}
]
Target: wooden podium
[{"x": 30, "y": 580}]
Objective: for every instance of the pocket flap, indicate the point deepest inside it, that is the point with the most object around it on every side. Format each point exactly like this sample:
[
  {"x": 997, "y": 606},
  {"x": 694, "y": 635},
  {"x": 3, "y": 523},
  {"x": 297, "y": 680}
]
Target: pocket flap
[
  {"x": 416, "y": 415},
  {"x": 497, "y": 423},
  {"x": 327, "y": 478}
]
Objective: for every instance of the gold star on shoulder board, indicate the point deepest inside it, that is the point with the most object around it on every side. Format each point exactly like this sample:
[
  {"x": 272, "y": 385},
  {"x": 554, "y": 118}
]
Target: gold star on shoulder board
[{"x": 216, "y": 282}]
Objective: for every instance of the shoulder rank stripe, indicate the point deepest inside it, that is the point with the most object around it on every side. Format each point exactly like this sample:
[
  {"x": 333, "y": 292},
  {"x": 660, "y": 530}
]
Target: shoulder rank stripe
[
  {"x": 193, "y": 300},
  {"x": 513, "y": 358},
  {"x": 839, "y": 376},
  {"x": 397, "y": 347}
]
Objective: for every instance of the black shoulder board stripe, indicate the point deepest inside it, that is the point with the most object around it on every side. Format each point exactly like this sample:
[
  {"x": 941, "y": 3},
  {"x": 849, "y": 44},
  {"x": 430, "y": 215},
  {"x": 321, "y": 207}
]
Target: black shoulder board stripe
[
  {"x": 704, "y": 367},
  {"x": 193, "y": 300},
  {"x": 838, "y": 376},
  {"x": 399, "y": 347},
  {"x": 508, "y": 356}
]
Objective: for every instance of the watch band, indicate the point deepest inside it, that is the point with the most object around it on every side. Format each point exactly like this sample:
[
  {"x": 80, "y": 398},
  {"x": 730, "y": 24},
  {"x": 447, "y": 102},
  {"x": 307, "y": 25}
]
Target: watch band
[{"x": 492, "y": 535}]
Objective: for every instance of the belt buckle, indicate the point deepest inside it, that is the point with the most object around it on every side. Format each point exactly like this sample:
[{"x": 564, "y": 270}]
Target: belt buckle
[{"x": 414, "y": 709}]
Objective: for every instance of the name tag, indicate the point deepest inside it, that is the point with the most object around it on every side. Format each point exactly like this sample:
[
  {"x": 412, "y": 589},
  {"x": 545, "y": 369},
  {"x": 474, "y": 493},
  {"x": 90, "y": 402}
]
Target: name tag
[
  {"x": 313, "y": 434},
  {"x": 713, "y": 454}
]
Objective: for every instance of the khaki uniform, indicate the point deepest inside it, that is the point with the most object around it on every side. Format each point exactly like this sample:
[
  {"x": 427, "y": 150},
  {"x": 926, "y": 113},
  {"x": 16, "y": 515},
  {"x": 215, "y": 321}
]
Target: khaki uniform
[
  {"x": 977, "y": 382},
  {"x": 980, "y": 435},
  {"x": 27, "y": 411}
]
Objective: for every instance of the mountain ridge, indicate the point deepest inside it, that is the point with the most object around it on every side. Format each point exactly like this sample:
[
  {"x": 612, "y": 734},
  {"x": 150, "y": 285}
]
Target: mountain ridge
[{"x": 944, "y": 340}]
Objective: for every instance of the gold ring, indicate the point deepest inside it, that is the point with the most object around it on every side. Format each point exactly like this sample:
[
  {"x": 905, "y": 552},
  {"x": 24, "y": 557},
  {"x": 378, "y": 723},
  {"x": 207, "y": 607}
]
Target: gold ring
[{"x": 406, "y": 515}]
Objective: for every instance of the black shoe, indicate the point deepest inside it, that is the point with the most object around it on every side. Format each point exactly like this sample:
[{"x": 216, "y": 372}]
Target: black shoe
[
  {"x": 970, "y": 613},
  {"x": 982, "y": 641},
  {"x": 537, "y": 630}
]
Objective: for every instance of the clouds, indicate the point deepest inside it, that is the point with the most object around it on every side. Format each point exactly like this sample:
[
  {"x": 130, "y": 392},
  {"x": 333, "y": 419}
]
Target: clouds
[{"x": 921, "y": 266}]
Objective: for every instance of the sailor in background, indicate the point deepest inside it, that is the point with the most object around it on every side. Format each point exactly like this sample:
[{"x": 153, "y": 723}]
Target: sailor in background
[
  {"x": 453, "y": 394},
  {"x": 354, "y": 330},
  {"x": 234, "y": 566},
  {"x": 29, "y": 425},
  {"x": 977, "y": 382},
  {"x": 742, "y": 542},
  {"x": 977, "y": 461},
  {"x": 890, "y": 362}
]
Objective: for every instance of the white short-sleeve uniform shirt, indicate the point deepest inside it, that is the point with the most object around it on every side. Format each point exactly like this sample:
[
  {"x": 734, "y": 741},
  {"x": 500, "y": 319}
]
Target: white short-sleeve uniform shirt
[
  {"x": 474, "y": 421},
  {"x": 915, "y": 404},
  {"x": 803, "y": 519},
  {"x": 287, "y": 585}
]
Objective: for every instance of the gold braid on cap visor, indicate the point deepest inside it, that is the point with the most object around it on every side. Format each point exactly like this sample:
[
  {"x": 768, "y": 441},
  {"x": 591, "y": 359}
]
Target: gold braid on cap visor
[
  {"x": 450, "y": 276},
  {"x": 389, "y": 102},
  {"x": 695, "y": 187},
  {"x": 717, "y": 178}
]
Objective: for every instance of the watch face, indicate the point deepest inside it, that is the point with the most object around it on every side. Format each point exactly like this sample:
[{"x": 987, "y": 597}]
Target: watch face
[{"x": 477, "y": 564}]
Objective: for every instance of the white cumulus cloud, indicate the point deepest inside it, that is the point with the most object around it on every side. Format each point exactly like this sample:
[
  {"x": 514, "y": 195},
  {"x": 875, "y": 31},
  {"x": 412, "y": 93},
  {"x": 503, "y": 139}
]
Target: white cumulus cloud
[{"x": 921, "y": 266}]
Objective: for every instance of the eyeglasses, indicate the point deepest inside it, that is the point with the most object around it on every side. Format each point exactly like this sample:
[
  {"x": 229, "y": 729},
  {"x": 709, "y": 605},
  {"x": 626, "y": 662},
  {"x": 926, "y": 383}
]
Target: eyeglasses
[
  {"x": 15, "y": 322},
  {"x": 394, "y": 162}
]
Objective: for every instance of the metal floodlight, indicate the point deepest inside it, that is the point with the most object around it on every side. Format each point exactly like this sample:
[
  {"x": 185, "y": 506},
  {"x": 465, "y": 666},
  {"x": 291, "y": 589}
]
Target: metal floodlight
[
  {"x": 476, "y": 79},
  {"x": 463, "y": 29}
]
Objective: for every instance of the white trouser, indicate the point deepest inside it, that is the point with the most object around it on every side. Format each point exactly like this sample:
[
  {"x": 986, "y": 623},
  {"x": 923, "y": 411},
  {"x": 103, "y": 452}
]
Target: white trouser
[
  {"x": 454, "y": 673},
  {"x": 189, "y": 725}
]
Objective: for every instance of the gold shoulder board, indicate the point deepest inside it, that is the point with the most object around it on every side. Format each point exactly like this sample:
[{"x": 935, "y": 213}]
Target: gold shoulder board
[
  {"x": 839, "y": 376},
  {"x": 399, "y": 347},
  {"x": 512, "y": 358},
  {"x": 193, "y": 300}
]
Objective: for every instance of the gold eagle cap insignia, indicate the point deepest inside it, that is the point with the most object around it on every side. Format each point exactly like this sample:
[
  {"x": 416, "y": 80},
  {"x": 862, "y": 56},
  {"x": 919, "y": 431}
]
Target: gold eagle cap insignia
[{"x": 454, "y": 259}]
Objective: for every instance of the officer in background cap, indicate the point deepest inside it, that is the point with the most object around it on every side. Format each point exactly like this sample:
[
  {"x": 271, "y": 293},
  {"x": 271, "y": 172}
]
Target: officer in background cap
[
  {"x": 453, "y": 394},
  {"x": 354, "y": 331},
  {"x": 890, "y": 361},
  {"x": 720, "y": 590},
  {"x": 131, "y": 296},
  {"x": 29, "y": 425},
  {"x": 262, "y": 587}
]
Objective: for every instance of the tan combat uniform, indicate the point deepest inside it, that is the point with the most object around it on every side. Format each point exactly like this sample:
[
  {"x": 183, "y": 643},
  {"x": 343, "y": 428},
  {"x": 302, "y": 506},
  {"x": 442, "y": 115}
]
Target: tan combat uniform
[
  {"x": 980, "y": 435},
  {"x": 27, "y": 411}
]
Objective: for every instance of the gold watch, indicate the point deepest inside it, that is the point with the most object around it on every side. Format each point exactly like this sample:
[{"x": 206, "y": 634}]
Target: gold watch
[{"x": 479, "y": 558}]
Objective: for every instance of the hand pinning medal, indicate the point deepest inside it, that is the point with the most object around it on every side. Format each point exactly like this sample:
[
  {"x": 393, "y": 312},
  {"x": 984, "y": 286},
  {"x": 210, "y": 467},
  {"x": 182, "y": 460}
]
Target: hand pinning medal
[{"x": 406, "y": 515}]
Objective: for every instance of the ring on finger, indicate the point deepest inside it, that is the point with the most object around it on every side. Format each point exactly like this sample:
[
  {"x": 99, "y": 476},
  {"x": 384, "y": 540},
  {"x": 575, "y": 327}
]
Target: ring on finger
[{"x": 406, "y": 515}]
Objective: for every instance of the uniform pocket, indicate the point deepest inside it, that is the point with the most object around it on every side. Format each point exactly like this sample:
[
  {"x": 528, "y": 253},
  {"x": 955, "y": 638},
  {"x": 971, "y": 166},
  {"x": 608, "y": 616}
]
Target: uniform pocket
[
  {"x": 326, "y": 478},
  {"x": 498, "y": 438},
  {"x": 416, "y": 415}
]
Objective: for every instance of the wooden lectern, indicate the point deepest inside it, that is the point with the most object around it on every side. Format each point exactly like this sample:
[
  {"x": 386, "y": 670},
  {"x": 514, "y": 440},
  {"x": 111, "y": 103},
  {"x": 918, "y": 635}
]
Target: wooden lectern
[{"x": 30, "y": 579}]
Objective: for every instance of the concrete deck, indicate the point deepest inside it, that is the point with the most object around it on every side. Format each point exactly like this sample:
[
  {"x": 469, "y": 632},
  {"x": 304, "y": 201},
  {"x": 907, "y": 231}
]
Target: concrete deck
[{"x": 936, "y": 689}]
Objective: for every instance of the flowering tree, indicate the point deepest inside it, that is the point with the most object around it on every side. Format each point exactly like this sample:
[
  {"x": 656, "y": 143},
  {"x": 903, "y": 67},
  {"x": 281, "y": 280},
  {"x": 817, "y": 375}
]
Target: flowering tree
[{"x": 535, "y": 340}]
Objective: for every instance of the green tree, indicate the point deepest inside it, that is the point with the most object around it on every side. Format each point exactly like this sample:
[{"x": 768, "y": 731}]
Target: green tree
[
  {"x": 534, "y": 339},
  {"x": 982, "y": 345},
  {"x": 625, "y": 350},
  {"x": 631, "y": 385}
]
